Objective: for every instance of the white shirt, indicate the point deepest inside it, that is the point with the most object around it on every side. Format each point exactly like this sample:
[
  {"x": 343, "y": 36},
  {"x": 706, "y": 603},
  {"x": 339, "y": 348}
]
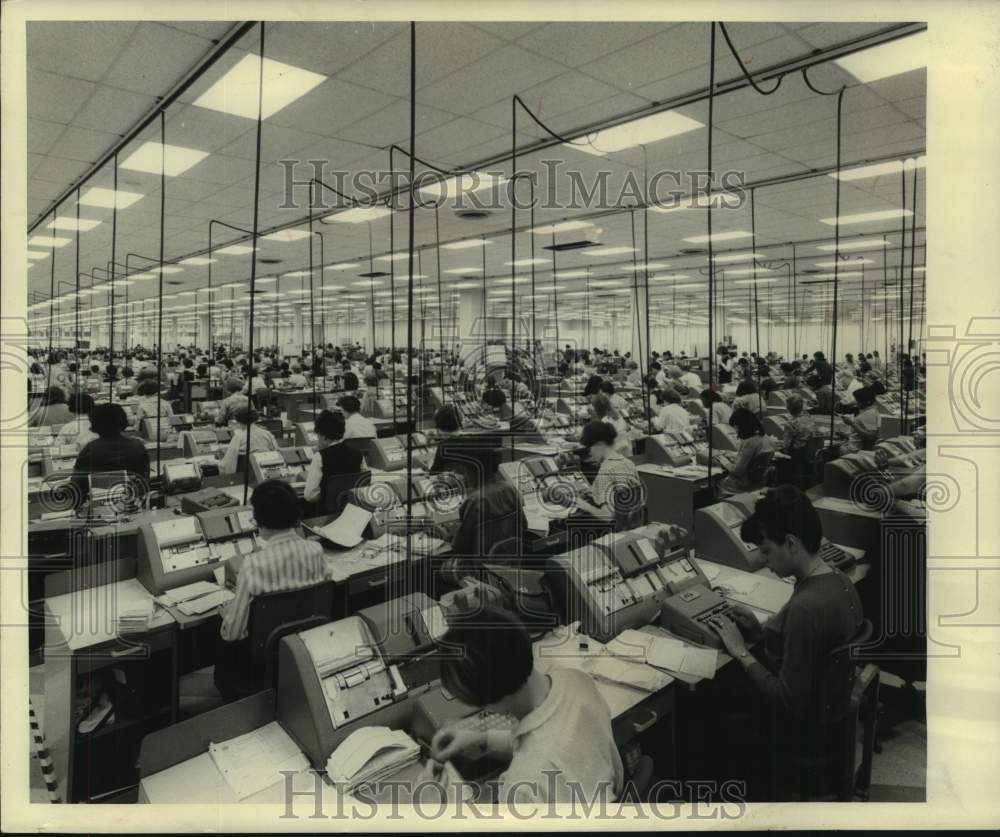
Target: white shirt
[
  {"x": 691, "y": 380},
  {"x": 297, "y": 379},
  {"x": 260, "y": 440},
  {"x": 673, "y": 417},
  {"x": 76, "y": 433},
  {"x": 359, "y": 427},
  {"x": 314, "y": 477},
  {"x": 623, "y": 444},
  {"x": 147, "y": 407}
]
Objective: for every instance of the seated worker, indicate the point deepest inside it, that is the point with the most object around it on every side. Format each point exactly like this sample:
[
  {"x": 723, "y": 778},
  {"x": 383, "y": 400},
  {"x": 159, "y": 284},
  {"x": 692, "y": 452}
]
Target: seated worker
[
  {"x": 494, "y": 397},
  {"x": 232, "y": 403},
  {"x": 721, "y": 411},
  {"x": 601, "y": 409},
  {"x": 823, "y": 613},
  {"x": 332, "y": 456},
  {"x": 79, "y": 431},
  {"x": 147, "y": 390},
  {"x": 55, "y": 413},
  {"x": 593, "y": 386},
  {"x": 546, "y": 751},
  {"x": 356, "y": 426},
  {"x": 823, "y": 393},
  {"x": 286, "y": 561},
  {"x": 350, "y": 380},
  {"x": 691, "y": 380},
  {"x": 865, "y": 425},
  {"x": 617, "y": 401},
  {"x": 752, "y": 443},
  {"x": 616, "y": 489},
  {"x": 296, "y": 378},
  {"x": 260, "y": 440},
  {"x": 369, "y": 404},
  {"x": 800, "y": 427},
  {"x": 111, "y": 451},
  {"x": 671, "y": 415},
  {"x": 492, "y": 515},
  {"x": 747, "y": 397}
]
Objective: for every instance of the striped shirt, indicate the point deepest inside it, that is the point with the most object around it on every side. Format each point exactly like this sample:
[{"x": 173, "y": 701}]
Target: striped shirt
[
  {"x": 287, "y": 562},
  {"x": 616, "y": 473}
]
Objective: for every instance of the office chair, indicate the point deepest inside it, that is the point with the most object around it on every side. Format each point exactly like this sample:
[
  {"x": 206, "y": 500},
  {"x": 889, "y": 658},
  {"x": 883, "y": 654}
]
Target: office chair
[{"x": 337, "y": 490}]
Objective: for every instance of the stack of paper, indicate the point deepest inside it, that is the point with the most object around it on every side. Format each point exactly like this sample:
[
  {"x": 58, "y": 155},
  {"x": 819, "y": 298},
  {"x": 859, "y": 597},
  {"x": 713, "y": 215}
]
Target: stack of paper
[
  {"x": 203, "y": 604},
  {"x": 253, "y": 762},
  {"x": 369, "y": 755},
  {"x": 628, "y": 673},
  {"x": 172, "y": 598},
  {"x": 347, "y": 530},
  {"x": 665, "y": 653},
  {"x": 134, "y": 616}
]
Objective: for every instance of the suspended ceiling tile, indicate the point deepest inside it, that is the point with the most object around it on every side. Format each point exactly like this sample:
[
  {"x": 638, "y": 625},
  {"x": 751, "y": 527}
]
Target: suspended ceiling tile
[
  {"x": 573, "y": 43},
  {"x": 326, "y": 48},
  {"x": 42, "y": 136},
  {"x": 392, "y": 125},
  {"x": 902, "y": 86},
  {"x": 113, "y": 110},
  {"x": 81, "y": 49},
  {"x": 509, "y": 31},
  {"x": 824, "y": 35},
  {"x": 797, "y": 113},
  {"x": 83, "y": 144},
  {"x": 56, "y": 98},
  {"x": 276, "y": 142},
  {"x": 654, "y": 59},
  {"x": 331, "y": 106},
  {"x": 155, "y": 59},
  {"x": 60, "y": 171},
  {"x": 208, "y": 30},
  {"x": 448, "y": 47},
  {"x": 205, "y": 130},
  {"x": 457, "y": 135}
]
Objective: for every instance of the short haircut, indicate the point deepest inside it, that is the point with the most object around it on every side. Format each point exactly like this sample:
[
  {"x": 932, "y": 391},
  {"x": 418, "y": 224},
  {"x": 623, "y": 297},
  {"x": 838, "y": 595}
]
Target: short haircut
[
  {"x": 147, "y": 386},
  {"x": 782, "y": 511},
  {"x": 595, "y": 432},
  {"x": 608, "y": 388},
  {"x": 746, "y": 423},
  {"x": 82, "y": 404},
  {"x": 233, "y": 385},
  {"x": 108, "y": 420},
  {"x": 246, "y": 415},
  {"x": 275, "y": 505},
  {"x": 488, "y": 656},
  {"x": 350, "y": 382},
  {"x": 55, "y": 395},
  {"x": 349, "y": 404},
  {"x": 447, "y": 418},
  {"x": 494, "y": 397},
  {"x": 865, "y": 396},
  {"x": 671, "y": 396},
  {"x": 746, "y": 388},
  {"x": 794, "y": 404},
  {"x": 330, "y": 425}
]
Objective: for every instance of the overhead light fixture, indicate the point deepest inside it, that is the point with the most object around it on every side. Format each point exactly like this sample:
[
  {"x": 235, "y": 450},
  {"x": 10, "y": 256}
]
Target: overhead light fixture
[
  {"x": 262, "y": 280},
  {"x": 850, "y": 263},
  {"x": 690, "y": 286},
  {"x": 843, "y": 274},
  {"x": 166, "y": 269},
  {"x": 367, "y": 283},
  {"x": 287, "y": 235},
  {"x": 642, "y": 131},
  {"x": 175, "y": 159},
  {"x": 451, "y": 187},
  {"x": 868, "y": 217},
  {"x": 37, "y": 254},
  {"x": 72, "y": 224},
  {"x": 745, "y": 271},
  {"x": 108, "y": 198},
  {"x": 608, "y": 251},
  {"x": 725, "y": 236},
  {"x": 236, "y": 250},
  {"x": 888, "y": 59},
  {"x": 48, "y": 241},
  {"x": 358, "y": 215},
  {"x": 669, "y": 278},
  {"x": 465, "y": 245},
  {"x": 462, "y": 271},
  {"x": 739, "y": 257},
  {"x": 866, "y": 244},
  {"x": 392, "y": 257},
  {"x": 296, "y": 273},
  {"x": 920, "y": 270},
  {"x": 525, "y": 262},
  {"x": 197, "y": 261},
  {"x": 631, "y": 268},
  {"x": 762, "y": 281},
  {"x": 238, "y": 91},
  {"x": 466, "y": 285},
  {"x": 878, "y": 169},
  {"x": 341, "y": 266},
  {"x": 562, "y": 226}
]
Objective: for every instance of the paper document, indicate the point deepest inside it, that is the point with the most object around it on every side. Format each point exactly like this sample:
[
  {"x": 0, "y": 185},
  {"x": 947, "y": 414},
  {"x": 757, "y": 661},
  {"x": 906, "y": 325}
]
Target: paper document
[
  {"x": 251, "y": 763},
  {"x": 347, "y": 529},
  {"x": 188, "y": 591},
  {"x": 665, "y": 652},
  {"x": 195, "y": 607},
  {"x": 369, "y": 755},
  {"x": 628, "y": 673}
]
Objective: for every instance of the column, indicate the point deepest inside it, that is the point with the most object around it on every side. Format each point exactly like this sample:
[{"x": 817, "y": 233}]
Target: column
[
  {"x": 637, "y": 327},
  {"x": 203, "y": 339}
]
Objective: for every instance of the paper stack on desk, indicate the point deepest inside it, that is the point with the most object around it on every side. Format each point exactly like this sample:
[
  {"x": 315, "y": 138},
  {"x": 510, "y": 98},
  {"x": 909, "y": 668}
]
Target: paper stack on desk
[
  {"x": 134, "y": 616},
  {"x": 252, "y": 762},
  {"x": 369, "y": 755},
  {"x": 347, "y": 530},
  {"x": 629, "y": 673},
  {"x": 665, "y": 652},
  {"x": 203, "y": 604}
]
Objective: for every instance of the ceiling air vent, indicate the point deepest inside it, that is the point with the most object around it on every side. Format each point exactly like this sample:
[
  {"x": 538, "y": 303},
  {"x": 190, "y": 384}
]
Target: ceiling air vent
[
  {"x": 268, "y": 261},
  {"x": 571, "y": 245},
  {"x": 692, "y": 251},
  {"x": 472, "y": 214},
  {"x": 375, "y": 274}
]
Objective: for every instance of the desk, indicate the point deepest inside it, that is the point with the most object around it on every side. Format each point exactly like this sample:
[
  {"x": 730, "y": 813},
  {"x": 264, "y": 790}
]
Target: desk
[{"x": 673, "y": 497}]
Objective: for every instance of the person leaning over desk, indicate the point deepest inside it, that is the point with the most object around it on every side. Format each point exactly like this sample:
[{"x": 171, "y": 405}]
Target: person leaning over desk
[
  {"x": 233, "y": 402},
  {"x": 563, "y": 733},
  {"x": 261, "y": 439},
  {"x": 616, "y": 476},
  {"x": 823, "y": 613},
  {"x": 332, "y": 457},
  {"x": 752, "y": 443},
  {"x": 284, "y": 561},
  {"x": 111, "y": 451}
]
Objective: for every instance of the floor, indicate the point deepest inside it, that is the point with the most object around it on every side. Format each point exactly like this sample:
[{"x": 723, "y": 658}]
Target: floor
[{"x": 898, "y": 772}]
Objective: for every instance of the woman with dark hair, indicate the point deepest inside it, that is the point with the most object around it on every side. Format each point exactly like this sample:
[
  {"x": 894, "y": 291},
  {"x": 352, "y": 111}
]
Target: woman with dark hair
[
  {"x": 752, "y": 443},
  {"x": 865, "y": 425},
  {"x": 616, "y": 477},
  {"x": 78, "y": 432},
  {"x": 111, "y": 451},
  {"x": 147, "y": 406},
  {"x": 593, "y": 386},
  {"x": 332, "y": 457},
  {"x": 721, "y": 411},
  {"x": 747, "y": 397}
]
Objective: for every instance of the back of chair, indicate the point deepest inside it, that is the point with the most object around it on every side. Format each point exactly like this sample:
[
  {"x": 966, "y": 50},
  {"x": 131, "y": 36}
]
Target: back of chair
[
  {"x": 337, "y": 490},
  {"x": 839, "y": 674},
  {"x": 275, "y": 615}
]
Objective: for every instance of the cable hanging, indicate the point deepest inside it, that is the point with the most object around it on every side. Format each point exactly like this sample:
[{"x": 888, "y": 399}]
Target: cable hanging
[{"x": 743, "y": 69}]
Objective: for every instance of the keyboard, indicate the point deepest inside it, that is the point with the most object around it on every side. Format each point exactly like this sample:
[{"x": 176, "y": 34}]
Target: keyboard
[{"x": 836, "y": 557}]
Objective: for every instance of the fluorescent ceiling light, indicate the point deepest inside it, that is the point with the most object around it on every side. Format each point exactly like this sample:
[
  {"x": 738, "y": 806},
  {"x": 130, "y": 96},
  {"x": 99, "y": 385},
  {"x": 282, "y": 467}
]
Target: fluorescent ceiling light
[
  {"x": 878, "y": 169},
  {"x": 287, "y": 235},
  {"x": 889, "y": 59},
  {"x": 296, "y": 273},
  {"x": 562, "y": 226},
  {"x": 196, "y": 261},
  {"x": 461, "y": 271},
  {"x": 37, "y": 254},
  {"x": 166, "y": 269},
  {"x": 392, "y": 257},
  {"x": 451, "y": 187},
  {"x": 745, "y": 271},
  {"x": 740, "y": 257},
  {"x": 571, "y": 274},
  {"x": 465, "y": 245},
  {"x": 525, "y": 262},
  {"x": 83, "y": 225},
  {"x": 850, "y": 263},
  {"x": 763, "y": 281},
  {"x": 608, "y": 251},
  {"x": 175, "y": 159},
  {"x": 48, "y": 241},
  {"x": 605, "y": 283},
  {"x": 844, "y": 274},
  {"x": 108, "y": 198},
  {"x": 691, "y": 286},
  {"x": 868, "y": 217},
  {"x": 236, "y": 250},
  {"x": 465, "y": 285},
  {"x": 238, "y": 91},
  {"x": 629, "y": 268},
  {"x": 719, "y": 200},
  {"x": 726, "y": 236},
  {"x": 866, "y": 244},
  {"x": 920, "y": 270},
  {"x": 367, "y": 283},
  {"x": 669, "y": 278},
  {"x": 648, "y": 129},
  {"x": 359, "y": 214},
  {"x": 264, "y": 280},
  {"x": 342, "y": 266}
]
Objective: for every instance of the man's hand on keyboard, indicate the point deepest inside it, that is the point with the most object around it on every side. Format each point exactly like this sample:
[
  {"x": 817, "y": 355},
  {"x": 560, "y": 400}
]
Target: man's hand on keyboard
[{"x": 449, "y": 743}]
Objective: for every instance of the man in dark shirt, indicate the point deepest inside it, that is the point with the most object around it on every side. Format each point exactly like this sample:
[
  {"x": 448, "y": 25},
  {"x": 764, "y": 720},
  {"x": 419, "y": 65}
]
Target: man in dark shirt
[{"x": 110, "y": 452}]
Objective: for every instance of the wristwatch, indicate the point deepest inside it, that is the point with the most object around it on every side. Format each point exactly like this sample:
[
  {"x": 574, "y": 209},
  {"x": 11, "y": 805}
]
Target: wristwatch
[{"x": 744, "y": 657}]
